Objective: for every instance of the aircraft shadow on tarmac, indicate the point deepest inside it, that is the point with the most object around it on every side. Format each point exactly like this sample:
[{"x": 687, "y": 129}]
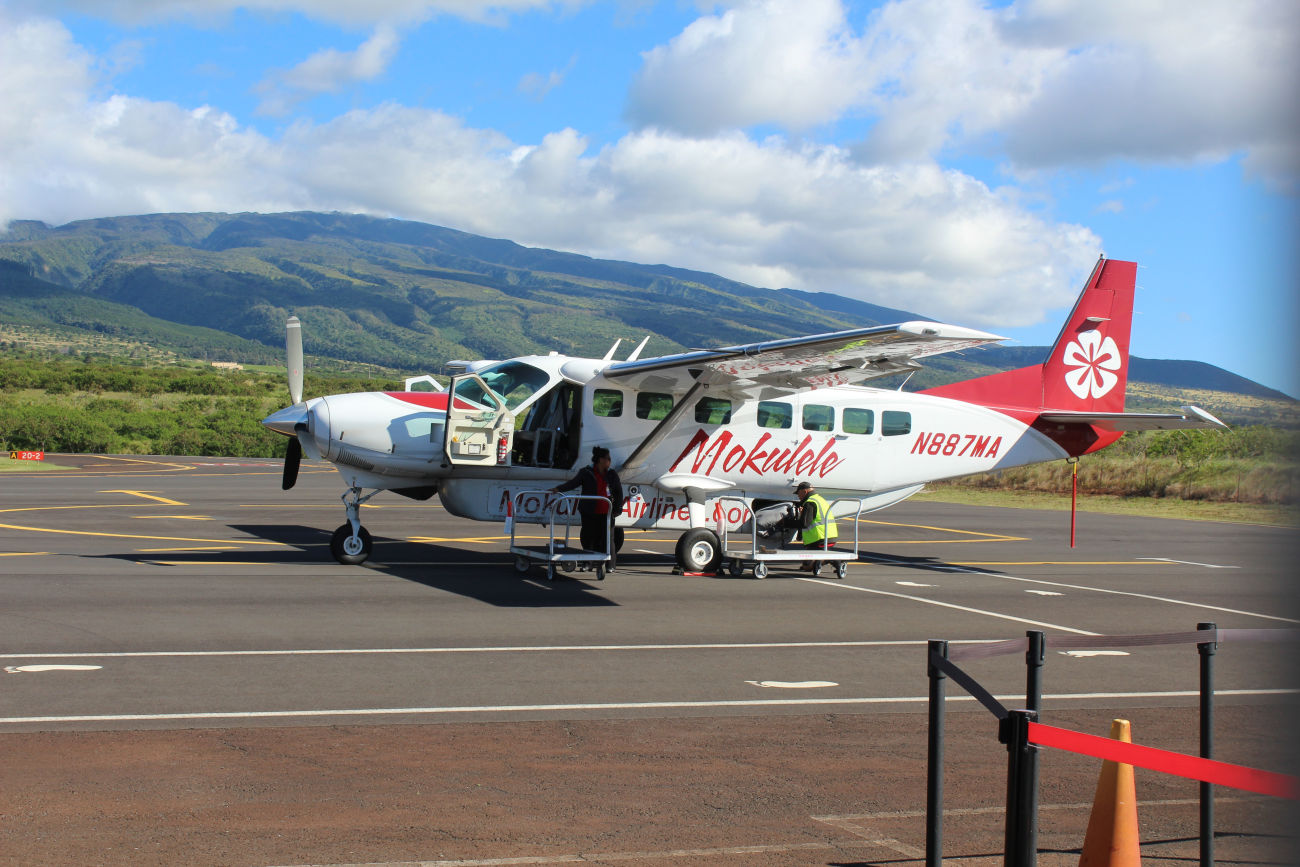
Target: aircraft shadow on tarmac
[{"x": 481, "y": 575}]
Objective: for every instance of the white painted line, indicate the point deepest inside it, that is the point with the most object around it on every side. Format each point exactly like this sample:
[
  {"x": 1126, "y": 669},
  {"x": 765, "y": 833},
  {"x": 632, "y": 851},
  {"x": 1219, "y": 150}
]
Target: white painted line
[
  {"x": 965, "y": 608},
  {"x": 911, "y": 584},
  {"x": 1084, "y": 654},
  {"x": 558, "y": 648},
  {"x": 1144, "y": 596},
  {"x": 602, "y": 857},
  {"x": 601, "y": 706},
  {"x": 1189, "y": 563},
  {"x": 792, "y": 684},
  {"x": 1044, "y": 593},
  {"x": 33, "y": 669}
]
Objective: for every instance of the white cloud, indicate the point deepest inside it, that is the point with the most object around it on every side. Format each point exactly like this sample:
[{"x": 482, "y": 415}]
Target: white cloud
[
  {"x": 328, "y": 71},
  {"x": 770, "y": 213},
  {"x": 1047, "y": 82},
  {"x": 537, "y": 86},
  {"x": 780, "y": 61}
]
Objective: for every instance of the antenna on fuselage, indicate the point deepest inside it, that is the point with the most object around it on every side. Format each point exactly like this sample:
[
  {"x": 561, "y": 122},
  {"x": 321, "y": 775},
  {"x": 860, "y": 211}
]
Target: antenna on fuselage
[
  {"x": 636, "y": 353},
  {"x": 609, "y": 355}
]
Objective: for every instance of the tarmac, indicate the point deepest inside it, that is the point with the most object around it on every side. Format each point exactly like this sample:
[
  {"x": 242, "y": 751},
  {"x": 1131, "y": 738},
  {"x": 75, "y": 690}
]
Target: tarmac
[{"x": 191, "y": 678}]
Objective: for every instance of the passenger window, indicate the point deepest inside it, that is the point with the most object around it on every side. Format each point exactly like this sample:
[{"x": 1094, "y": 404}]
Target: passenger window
[
  {"x": 894, "y": 423},
  {"x": 607, "y": 403},
  {"x": 859, "y": 421},
  {"x": 653, "y": 406},
  {"x": 712, "y": 410},
  {"x": 773, "y": 413},
  {"x": 818, "y": 418}
]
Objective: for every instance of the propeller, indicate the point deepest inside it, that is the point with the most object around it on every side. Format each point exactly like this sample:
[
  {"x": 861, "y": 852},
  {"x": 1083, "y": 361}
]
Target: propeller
[
  {"x": 293, "y": 349},
  {"x": 292, "y": 458},
  {"x": 293, "y": 353}
]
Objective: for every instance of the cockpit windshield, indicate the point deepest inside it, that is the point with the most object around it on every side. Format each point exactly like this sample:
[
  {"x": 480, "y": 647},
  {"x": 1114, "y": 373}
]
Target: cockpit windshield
[{"x": 514, "y": 382}]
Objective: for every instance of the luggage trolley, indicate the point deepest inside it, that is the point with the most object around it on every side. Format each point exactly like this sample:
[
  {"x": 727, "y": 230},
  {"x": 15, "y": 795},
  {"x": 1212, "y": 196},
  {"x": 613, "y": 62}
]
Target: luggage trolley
[
  {"x": 737, "y": 556},
  {"x": 562, "y": 555}
]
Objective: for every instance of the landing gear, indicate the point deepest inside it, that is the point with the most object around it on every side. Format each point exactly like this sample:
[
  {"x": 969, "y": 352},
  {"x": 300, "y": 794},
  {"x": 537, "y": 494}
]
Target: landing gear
[
  {"x": 351, "y": 542},
  {"x": 350, "y": 549},
  {"x": 698, "y": 550}
]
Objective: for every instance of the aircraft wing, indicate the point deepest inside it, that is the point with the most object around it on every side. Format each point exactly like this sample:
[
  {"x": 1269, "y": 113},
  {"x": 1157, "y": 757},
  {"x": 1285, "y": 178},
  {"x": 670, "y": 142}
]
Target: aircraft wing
[
  {"x": 1191, "y": 417},
  {"x": 775, "y": 367}
]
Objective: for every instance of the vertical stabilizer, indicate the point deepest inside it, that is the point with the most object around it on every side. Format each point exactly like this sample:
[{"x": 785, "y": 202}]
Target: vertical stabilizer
[{"x": 1087, "y": 368}]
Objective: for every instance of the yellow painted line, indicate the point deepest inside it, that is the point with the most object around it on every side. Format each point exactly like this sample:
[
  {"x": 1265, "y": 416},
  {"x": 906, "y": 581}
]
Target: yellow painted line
[
  {"x": 195, "y": 548},
  {"x": 23, "y": 553},
  {"x": 132, "y": 536},
  {"x": 213, "y": 563},
  {"x": 174, "y": 517},
  {"x": 992, "y": 537},
  {"x": 149, "y": 495},
  {"x": 1057, "y": 563},
  {"x": 486, "y": 540}
]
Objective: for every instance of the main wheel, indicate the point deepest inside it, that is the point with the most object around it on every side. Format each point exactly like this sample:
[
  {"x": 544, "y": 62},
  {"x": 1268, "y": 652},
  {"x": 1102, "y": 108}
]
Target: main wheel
[
  {"x": 348, "y": 549},
  {"x": 698, "y": 551}
]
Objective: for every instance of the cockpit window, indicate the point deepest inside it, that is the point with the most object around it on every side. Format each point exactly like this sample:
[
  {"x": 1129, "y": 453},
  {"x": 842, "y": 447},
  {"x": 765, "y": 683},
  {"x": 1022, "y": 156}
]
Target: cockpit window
[{"x": 514, "y": 381}]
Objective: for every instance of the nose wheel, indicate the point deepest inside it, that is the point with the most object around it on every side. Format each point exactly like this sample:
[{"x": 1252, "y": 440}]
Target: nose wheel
[{"x": 349, "y": 548}]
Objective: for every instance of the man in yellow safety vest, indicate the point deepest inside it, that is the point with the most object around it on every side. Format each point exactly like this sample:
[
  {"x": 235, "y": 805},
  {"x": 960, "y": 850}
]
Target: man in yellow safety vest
[{"x": 815, "y": 530}]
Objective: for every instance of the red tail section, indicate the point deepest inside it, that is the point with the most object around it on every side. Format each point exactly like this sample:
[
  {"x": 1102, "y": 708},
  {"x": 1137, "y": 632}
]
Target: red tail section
[{"x": 1086, "y": 370}]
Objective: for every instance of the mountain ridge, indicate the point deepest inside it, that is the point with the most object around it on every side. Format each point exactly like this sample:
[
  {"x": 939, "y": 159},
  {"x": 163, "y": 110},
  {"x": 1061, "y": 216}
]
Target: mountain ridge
[{"x": 409, "y": 295}]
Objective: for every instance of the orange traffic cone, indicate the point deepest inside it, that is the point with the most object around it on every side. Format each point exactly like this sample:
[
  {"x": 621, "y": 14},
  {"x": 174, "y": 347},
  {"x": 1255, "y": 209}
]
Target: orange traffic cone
[{"x": 1112, "y": 838}]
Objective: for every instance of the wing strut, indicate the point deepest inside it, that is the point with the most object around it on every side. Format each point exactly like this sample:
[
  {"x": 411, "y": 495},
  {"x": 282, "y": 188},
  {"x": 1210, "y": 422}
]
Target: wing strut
[{"x": 661, "y": 431}]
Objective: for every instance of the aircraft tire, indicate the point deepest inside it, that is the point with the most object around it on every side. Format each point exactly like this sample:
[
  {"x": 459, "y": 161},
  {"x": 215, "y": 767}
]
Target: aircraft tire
[
  {"x": 350, "y": 554},
  {"x": 698, "y": 551}
]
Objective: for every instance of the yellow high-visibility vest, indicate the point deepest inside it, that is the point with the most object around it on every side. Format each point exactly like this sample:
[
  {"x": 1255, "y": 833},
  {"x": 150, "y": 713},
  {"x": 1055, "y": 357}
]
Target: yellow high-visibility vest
[{"x": 814, "y": 534}]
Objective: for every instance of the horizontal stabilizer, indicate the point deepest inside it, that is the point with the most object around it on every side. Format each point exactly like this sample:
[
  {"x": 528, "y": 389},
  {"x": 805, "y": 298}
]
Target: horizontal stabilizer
[{"x": 1191, "y": 417}]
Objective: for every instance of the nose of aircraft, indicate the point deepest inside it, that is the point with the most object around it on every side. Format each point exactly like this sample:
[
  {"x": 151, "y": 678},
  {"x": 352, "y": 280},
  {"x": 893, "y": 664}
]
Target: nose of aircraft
[{"x": 314, "y": 415}]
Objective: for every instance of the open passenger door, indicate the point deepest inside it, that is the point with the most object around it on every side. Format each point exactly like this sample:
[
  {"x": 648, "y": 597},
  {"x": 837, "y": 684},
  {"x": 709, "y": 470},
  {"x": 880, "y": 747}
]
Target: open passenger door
[{"x": 479, "y": 425}]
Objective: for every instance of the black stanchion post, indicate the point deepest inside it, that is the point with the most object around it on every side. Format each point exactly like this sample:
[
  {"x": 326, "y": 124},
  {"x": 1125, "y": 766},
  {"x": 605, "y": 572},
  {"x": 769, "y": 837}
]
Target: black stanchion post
[
  {"x": 934, "y": 762},
  {"x": 1021, "y": 843},
  {"x": 1035, "y": 654},
  {"x": 1207, "y": 650}
]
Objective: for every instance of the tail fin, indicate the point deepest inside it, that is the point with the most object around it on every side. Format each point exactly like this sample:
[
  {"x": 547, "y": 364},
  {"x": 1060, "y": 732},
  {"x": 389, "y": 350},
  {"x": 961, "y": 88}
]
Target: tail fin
[{"x": 1087, "y": 368}]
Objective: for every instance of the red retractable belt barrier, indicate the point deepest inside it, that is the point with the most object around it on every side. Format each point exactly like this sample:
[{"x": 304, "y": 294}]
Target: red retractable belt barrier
[{"x": 1193, "y": 767}]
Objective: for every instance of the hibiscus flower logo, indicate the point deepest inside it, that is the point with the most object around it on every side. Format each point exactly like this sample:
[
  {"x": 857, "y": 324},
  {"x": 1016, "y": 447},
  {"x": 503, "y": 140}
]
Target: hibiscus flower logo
[{"x": 1091, "y": 360}]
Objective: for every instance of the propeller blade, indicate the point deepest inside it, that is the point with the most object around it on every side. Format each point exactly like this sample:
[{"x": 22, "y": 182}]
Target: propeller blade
[
  {"x": 293, "y": 349},
  {"x": 292, "y": 458}
]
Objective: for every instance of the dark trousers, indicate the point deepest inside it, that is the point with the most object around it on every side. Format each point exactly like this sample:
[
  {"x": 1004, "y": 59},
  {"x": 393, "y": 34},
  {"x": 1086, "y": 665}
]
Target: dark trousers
[{"x": 594, "y": 533}]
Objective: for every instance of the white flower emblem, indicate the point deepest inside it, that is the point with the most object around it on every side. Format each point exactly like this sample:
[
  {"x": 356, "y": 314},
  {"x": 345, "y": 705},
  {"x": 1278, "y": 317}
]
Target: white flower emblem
[{"x": 1091, "y": 360}]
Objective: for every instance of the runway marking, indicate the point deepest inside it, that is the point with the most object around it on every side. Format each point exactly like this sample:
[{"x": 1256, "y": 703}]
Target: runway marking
[
  {"x": 601, "y": 857},
  {"x": 193, "y": 548},
  {"x": 1044, "y": 593},
  {"x": 556, "y": 648},
  {"x": 1083, "y": 654},
  {"x": 987, "y": 537},
  {"x": 28, "y": 529},
  {"x": 1139, "y": 562},
  {"x": 1190, "y": 563},
  {"x": 951, "y": 605},
  {"x": 912, "y": 584},
  {"x": 40, "y": 669},
  {"x": 604, "y": 706},
  {"x": 173, "y": 517},
  {"x": 955, "y": 567},
  {"x": 792, "y": 684},
  {"x": 149, "y": 495},
  {"x": 483, "y": 540},
  {"x": 23, "y": 553}
]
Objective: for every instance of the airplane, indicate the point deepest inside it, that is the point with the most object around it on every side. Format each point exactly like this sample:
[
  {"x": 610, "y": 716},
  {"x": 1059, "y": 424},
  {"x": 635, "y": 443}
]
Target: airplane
[{"x": 744, "y": 423}]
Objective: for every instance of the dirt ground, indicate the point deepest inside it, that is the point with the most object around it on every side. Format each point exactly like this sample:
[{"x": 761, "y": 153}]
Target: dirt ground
[{"x": 841, "y": 789}]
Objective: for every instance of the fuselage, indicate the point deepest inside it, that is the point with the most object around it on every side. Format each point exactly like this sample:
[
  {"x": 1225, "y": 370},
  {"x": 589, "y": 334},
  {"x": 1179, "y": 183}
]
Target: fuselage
[{"x": 875, "y": 444}]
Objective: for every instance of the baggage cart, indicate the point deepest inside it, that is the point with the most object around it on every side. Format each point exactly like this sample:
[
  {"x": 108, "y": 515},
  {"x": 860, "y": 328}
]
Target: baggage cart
[
  {"x": 559, "y": 552},
  {"x": 739, "y": 554}
]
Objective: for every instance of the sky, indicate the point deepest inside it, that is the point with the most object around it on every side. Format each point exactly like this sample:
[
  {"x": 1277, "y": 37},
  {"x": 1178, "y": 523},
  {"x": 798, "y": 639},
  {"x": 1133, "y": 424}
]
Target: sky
[{"x": 965, "y": 160}]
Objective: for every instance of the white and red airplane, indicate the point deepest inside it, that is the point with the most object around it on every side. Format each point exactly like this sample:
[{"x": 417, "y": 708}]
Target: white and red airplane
[{"x": 741, "y": 422}]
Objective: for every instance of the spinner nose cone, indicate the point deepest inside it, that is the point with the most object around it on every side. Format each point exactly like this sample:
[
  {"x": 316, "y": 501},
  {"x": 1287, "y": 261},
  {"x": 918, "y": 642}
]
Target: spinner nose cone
[{"x": 285, "y": 420}]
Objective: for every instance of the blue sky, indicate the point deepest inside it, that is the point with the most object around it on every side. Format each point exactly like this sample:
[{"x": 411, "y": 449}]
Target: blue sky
[{"x": 964, "y": 160}]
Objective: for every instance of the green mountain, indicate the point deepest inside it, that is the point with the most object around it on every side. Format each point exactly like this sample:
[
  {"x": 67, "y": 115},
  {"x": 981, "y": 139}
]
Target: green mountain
[{"x": 411, "y": 296}]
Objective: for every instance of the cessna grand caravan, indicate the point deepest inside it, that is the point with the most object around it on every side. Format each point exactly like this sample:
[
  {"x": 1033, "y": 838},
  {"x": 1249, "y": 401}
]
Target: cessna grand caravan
[{"x": 741, "y": 422}]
